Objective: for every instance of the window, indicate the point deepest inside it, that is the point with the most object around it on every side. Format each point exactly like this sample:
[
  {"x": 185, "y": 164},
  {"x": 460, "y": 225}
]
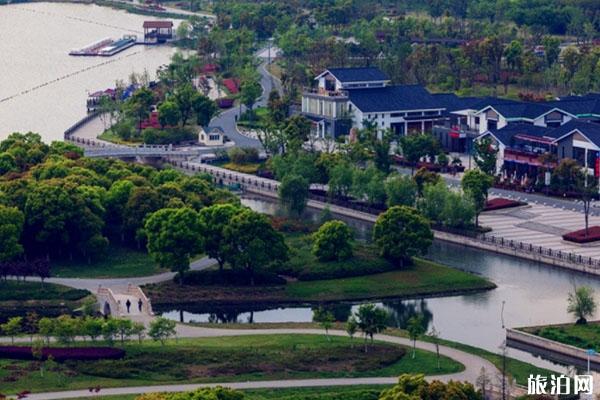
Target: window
[
  {"x": 397, "y": 115},
  {"x": 214, "y": 137}
]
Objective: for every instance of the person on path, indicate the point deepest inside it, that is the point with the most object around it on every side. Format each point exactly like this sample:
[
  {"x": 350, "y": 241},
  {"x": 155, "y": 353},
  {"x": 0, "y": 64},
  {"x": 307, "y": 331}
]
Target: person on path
[
  {"x": 128, "y": 305},
  {"x": 140, "y": 303}
]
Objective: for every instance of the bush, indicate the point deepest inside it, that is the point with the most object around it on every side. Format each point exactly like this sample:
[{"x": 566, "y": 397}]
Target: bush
[
  {"x": 333, "y": 242},
  {"x": 63, "y": 353},
  {"x": 168, "y": 136},
  {"x": 243, "y": 155},
  {"x": 230, "y": 277},
  {"x": 21, "y": 291}
]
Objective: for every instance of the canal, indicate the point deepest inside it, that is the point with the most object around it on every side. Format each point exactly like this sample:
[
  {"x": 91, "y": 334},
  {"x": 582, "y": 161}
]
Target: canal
[
  {"x": 528, "y": 293},
  {"x": 42, "y": 88}
]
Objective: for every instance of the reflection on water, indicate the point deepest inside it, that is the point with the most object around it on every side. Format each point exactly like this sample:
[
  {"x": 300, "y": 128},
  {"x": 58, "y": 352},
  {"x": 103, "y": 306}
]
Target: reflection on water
[{"x": 533, "y": 293}]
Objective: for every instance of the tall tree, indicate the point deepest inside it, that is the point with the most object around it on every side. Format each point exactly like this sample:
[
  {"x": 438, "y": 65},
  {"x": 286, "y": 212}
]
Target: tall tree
[
  {"x": 371, "y": 320},
  {"x": 253, "y": 243},
  {"x": 174, "y": 238},
  {"x": 293, "y": 193},
  {"x": 213, "y": 222},
  {"x": 333, "y": 241},
  {"x": 11, "y": 228},
  {"x": 485, "y": 155},
  {"x": 402, "y": 233},
  {"x": 476, "y": 184}
]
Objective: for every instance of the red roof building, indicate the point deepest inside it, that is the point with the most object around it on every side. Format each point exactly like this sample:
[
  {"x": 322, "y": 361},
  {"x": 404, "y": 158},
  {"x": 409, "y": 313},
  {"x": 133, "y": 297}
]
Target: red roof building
[{"x": 231, "y": 85}]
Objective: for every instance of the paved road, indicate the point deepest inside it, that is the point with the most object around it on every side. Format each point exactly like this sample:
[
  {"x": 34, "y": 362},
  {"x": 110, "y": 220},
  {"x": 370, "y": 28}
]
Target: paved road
[
  {"x": 473, "y": 365},
  {"x": 119, "y": 283},
  {"x": 227, "y": 119}
]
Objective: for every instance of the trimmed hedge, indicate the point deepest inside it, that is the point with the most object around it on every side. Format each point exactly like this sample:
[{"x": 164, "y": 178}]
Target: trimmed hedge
[
  {"x": 229, "y": 277},
  {"x": 63, "y": 353}
]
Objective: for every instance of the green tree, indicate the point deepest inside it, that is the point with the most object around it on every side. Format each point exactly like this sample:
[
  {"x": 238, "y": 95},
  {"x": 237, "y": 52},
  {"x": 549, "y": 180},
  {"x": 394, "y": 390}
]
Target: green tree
[
  {"x": 415, "y": 328},
  {"x": 124, "y": 328},
  {"x": 250, "y": 91},
  {"x": 400, "y": 190},
  {"x": 459, "y": 211},
  {"x": 582, "y": 304},
  {"x": 485, "y": 155},
  {"x": 205, "y": 109},
  {"x": 325, "y": 318},
  {"x": 92, "y": 327},
  {"x": 296, "y": 132},
  {"x": 253, "y": 243},
  {"x": 138, "y": 329},
  {"x": 433, "y": 202},
  {"x": 7, "y": 163},
  {"x": 11, "y": 228},
  {"x": 174, "y": 238},
  {"x": 213, "y": 221},
  {"x": 161, "y": 329},
  {"x": 368, "y": 184},
  {"x": 185, "y": 97},
  {"x": 425, "y": 177},
  {"x": 46, "y": 328},
  {"x": 402, "y": 233},
  {"x": 371, "y": 320},
  {"x": 12, "y": 327},
  {"x": 351, "y": 328},
  {"x": 476, "y": 184},
  {"x": 340, "y": 179},
  {"x": 333, "y": 241},
  {"x": 168, "y": 113},
  {"x": 293, "y": 193}
]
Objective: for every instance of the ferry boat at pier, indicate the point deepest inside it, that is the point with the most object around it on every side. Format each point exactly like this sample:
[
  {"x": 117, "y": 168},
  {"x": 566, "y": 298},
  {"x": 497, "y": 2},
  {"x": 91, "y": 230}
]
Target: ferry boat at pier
[{"x": 106, "y": 47}]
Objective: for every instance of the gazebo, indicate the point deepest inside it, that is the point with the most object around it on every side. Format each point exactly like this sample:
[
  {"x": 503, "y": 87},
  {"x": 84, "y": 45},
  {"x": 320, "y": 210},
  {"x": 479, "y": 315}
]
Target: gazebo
[{"x": 158, "y": 31}]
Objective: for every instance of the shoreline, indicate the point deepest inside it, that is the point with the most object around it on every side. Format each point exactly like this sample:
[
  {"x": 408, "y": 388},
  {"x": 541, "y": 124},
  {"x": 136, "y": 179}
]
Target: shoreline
[{"x": 269, "y": 304}]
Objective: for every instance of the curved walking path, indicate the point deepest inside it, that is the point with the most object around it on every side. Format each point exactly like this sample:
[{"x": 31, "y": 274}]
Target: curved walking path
[
  {"x": 472, "y": 363},
  {"x": 92, "y": 284}
]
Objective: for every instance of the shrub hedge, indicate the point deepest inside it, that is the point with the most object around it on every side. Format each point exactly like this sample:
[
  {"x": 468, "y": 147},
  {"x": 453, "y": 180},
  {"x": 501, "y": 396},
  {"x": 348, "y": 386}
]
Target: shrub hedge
[
  {"x": 229, "y": 277},
  {"x": 63, "y": 353}
]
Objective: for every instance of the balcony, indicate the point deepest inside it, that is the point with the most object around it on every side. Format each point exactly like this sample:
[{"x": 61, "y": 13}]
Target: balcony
[
  {"x": 525, "y": 157},
  {"x": 456, "y": 131},
  {"x": 322, "y": 93}
]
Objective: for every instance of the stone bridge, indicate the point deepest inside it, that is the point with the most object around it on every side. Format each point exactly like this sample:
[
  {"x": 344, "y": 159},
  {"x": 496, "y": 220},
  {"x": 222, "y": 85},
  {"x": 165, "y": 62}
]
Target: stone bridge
[{"x": 113, "y": 302}]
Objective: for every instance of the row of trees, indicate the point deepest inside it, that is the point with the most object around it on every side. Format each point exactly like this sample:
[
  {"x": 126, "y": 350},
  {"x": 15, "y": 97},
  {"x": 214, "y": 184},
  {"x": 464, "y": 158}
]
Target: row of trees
[
  {"x": 66, "y": 329},
  {"x": 230, "y": 234}
]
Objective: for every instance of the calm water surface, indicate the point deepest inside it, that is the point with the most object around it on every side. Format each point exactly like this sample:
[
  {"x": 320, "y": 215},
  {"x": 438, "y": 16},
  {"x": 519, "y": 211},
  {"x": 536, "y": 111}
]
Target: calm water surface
[
  {"x": 36, "y": 39},
  {"x": 532, "y": 293}
]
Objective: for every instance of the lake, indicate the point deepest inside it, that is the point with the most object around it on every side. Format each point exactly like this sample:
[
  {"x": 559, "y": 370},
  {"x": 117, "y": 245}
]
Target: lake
[{"x": 36, "y": 40}]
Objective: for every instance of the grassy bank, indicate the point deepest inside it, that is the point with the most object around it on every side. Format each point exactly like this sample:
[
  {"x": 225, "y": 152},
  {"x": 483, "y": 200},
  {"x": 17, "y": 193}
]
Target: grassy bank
[
  {"x": 19, "y": 298},
  {"x": 119, "y": 262},
  {"x": 237, "y": 358},
  {"x": 586, "y": 336},
  {"x": 424, "y": 278}
]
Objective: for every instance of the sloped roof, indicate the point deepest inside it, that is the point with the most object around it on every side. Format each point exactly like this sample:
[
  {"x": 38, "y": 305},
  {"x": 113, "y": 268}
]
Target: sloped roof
[
  {"x": 522, "y": 110},
  {"x": 452, "y": 102},
  {"x": 507, "y": 133},
  {"x": 579, "y": 105},
  {"x": 394, "y": 98},
  {"x": 365, "y": 74},
  {"x": 591, "y": 130}
]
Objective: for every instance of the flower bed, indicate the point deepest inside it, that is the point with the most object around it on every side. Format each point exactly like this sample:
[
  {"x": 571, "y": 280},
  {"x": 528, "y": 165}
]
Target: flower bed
[
  {"x": 580, "y": 236},
  {"x": 63, "y": 353},
  {"x": 500, "y": 203}
]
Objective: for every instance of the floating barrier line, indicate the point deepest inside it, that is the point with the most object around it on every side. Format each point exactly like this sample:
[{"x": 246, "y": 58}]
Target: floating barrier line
[
  {"x": 67, "y": 76},
  {"x": 88, "y": 21}
]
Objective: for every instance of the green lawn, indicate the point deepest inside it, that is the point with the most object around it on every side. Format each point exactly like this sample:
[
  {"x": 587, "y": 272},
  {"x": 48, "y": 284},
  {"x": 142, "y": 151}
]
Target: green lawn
[
  {"x": 119, "y": 262},
  {"x": 305, "y": 266},
  {"x": 585, "y": 336},
  {"x": 421, "y": 279},
  {"x": 238, "y": 358},
  {"x": 20, "y": 298},
  {"x": 29, "y": 291},
  {"x": 260, "y": 120}
]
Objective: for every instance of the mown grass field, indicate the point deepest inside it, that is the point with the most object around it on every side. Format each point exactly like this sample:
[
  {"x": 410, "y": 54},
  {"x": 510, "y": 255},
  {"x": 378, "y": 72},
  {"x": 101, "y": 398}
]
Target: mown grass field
[
  {"x": 237, "y": 358},
  {"x": 585, "y": 336}
]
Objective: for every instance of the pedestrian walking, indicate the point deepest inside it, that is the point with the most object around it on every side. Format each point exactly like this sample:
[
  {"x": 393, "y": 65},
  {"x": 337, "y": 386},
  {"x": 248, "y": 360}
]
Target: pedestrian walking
[
  {"x": 128, "y": 305},
  {"x": 140, "y": 304}
]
